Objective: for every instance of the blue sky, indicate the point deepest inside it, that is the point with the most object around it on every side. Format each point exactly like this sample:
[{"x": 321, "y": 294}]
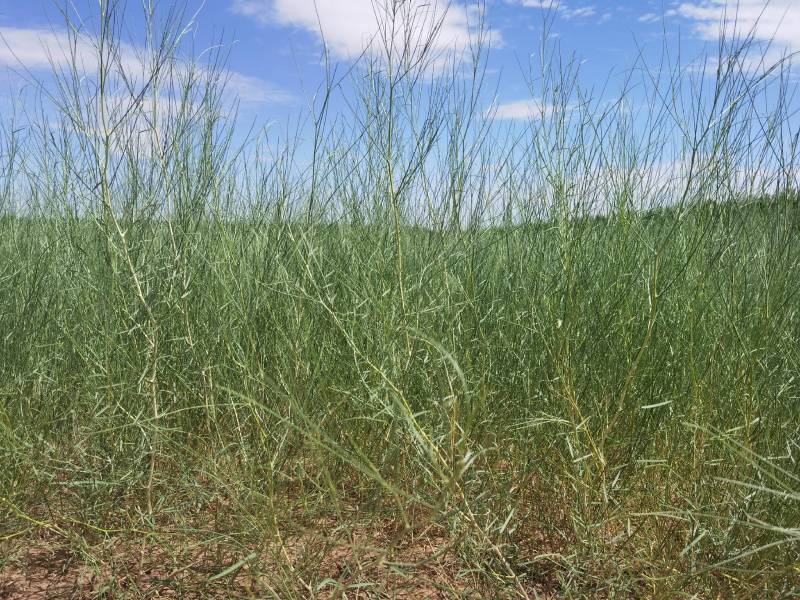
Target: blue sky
[{"x": 276, "y": 46}]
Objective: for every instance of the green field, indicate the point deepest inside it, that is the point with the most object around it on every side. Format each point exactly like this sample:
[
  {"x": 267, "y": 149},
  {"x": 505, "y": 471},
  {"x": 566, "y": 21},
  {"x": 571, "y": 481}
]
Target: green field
[{"x": 407, "y": 355}]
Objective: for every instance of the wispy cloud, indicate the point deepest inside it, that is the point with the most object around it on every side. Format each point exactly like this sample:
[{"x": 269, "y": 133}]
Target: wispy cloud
[
  {"x": 777, "y": 20},
  {"x": 564, "y": 9},
  {"x": 253, "y": 90},
  {"x": 529, "y": 108},
  {"x": 43, "y": 50},
  {"x": 578, "y": 13},
  {"x": 649, "y": 18},
  {"x": 349, "y": 28}
]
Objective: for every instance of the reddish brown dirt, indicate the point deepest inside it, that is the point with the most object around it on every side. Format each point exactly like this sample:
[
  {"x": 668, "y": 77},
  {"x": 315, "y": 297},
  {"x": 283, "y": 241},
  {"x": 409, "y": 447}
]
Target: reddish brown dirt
[{"x": 382, "y": 561}]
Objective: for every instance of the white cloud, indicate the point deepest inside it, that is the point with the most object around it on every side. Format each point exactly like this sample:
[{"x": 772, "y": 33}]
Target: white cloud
[
  {"x": 253, "y": 90},
  {"x": 578, "y": 13},
  {"x": 563, "y": 9},
  {"x": 350, "y": 27},
  {"x": 773, "y": 20},
  {"x": 649, "y": 18},
  {"x": 28, "y": 47},
  {"x": 536, "y": 3},
  {"x": 521, "y": 110},
  {"x": 41, "y": 50}
]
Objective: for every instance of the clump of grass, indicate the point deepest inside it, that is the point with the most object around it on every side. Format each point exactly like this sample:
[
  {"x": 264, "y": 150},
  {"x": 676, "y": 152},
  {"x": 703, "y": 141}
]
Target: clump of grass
[{"x": 419, "y": 351}]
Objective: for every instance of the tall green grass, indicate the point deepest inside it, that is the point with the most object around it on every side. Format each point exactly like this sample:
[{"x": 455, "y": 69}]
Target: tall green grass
[{"x": 407, "y": 340}]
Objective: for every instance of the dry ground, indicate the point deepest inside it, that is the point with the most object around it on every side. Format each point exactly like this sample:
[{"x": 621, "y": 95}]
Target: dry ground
[{"x": 381, "y": 561}]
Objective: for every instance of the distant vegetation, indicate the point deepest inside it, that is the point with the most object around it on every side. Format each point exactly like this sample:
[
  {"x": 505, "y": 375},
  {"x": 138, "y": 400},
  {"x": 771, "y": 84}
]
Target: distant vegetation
[{"x": 410, "y": 350}]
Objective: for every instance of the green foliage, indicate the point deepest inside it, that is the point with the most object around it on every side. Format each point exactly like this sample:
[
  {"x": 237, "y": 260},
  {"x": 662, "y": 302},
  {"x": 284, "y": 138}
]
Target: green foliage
[{"x": 591, "y": 400}]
